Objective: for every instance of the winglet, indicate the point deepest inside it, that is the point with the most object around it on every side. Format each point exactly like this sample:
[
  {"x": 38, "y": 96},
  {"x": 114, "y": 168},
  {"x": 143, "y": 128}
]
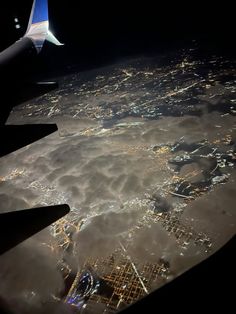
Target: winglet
[
  {"x": 52, "y": 39},
  {"x": 38, "y": 26}
]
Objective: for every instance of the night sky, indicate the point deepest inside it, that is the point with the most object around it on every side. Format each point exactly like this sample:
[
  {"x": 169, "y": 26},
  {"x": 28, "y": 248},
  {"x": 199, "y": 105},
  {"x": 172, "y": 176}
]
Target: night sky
[{"x": 98, "y": 33}]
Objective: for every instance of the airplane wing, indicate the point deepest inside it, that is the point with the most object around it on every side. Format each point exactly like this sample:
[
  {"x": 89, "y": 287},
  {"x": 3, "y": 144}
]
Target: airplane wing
[
  {"x": 35, "y": 36},
  {"x": 13, "y": 137},
  {"x": 17, "y": 226}
]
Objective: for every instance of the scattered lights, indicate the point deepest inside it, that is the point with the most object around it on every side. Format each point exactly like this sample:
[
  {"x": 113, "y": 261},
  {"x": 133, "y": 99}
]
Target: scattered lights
[
  {"x": 17, "y": 24},
  {"x": 128, "y": 280}
]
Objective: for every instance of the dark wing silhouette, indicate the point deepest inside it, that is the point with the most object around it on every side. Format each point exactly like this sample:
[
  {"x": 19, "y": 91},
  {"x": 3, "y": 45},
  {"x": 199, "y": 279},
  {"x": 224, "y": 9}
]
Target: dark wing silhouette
[{"x": 17, "y": 226}]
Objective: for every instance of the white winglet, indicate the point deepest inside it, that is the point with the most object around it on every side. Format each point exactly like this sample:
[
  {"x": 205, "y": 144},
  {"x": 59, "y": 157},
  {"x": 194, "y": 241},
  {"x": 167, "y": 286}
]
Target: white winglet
[
  {"x": 38, "y": 27},
  {"x": 52, "y": 39}
]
